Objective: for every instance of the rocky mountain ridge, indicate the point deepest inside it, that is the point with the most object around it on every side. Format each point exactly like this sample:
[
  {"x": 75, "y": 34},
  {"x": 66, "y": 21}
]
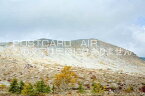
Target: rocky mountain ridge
[{"x": 99, "y": 55}]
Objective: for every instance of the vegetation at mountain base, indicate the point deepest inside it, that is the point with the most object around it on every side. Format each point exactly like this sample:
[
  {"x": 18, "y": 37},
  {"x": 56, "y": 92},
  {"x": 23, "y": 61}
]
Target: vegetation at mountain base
[
  {"x": 14, "y": 87},
  {"x": 81, "y": 88},
  {"x": 21, "y": 87},
  {"x": 65, "y": 78},
  {"x": 129, "y": 89},
  {"x": 64, "y": 81},
  {"x": 41, "y": 87},
  {"x": 29, "y": 90},
  {"x": 97, "y": 88}
]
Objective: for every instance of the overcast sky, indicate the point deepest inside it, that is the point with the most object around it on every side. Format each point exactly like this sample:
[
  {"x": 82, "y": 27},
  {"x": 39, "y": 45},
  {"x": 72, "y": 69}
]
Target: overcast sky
[{"x": 119, "y": 22}]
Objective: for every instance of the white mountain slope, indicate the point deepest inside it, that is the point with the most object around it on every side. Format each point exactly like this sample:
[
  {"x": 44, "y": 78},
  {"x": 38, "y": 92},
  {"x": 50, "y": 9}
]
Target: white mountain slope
[{"x": 118, "y": 59}]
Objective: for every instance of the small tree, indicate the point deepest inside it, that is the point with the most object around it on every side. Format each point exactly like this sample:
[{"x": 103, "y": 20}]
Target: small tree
[
  {"x": 14, "y": 88},
  {"x": 21, "y": 87},
  {"x": 28, "y": 90},
  {"x": 66, "y": 77},
  {"x": 41, "y": 87}
]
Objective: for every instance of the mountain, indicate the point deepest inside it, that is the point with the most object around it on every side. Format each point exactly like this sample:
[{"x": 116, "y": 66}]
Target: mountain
[
  {"x": 112, "y": 66},
  {"x": 87, "y": 53}
]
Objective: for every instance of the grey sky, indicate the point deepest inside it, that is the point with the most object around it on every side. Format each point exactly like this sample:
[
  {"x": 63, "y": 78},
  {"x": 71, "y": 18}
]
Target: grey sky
[{"x": 120, "y": 22}]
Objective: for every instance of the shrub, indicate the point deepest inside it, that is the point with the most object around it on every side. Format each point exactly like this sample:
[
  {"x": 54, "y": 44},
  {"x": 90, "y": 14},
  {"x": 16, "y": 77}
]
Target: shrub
[
  {"x": 14, "y": 88},
  {"x": 47, "y": 89},
  {"x": 41, "y": 87},
  {"x": 66, "y": 77},
  {"x": 28, "y": 90},
  {"x": 97, "y": 88},
  {"x": 129, "y": 89},
  {"x": 20, "y": 87},
  {"x": 81, "y": 88}
]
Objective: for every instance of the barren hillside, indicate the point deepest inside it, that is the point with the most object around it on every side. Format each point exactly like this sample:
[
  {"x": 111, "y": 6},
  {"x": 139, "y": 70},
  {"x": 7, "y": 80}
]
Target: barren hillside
[{"x": 32, "y": 63}]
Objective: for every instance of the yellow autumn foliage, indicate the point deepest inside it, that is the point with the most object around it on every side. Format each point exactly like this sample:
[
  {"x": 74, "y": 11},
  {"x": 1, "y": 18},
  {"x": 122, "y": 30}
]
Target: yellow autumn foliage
[{"x": 64, "y": 78}]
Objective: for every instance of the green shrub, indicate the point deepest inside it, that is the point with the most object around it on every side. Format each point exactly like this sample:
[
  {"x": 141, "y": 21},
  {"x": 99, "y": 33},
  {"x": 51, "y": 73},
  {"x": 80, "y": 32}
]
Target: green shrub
[
  {"x": 21, "y": 87},
  {"x": 81, "y": 88},
  {"x": 97, "y": 88},
  {"x": 41, "y": 87},
  {"x": 47, "y": 89},
  {"x": 14, "y": 87}
]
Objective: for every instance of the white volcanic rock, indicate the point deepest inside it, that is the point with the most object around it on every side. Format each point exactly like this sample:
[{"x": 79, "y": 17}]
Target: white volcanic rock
[{"x": 112, "y": 60}]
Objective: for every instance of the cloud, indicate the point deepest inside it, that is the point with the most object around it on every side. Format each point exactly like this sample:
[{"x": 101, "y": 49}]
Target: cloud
[
  {"x": 107, "y": 20},
  {"x": 139, "y": 34},
  {"x": 138, "y": 42}
]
